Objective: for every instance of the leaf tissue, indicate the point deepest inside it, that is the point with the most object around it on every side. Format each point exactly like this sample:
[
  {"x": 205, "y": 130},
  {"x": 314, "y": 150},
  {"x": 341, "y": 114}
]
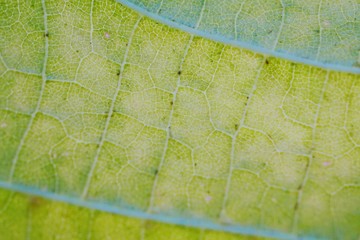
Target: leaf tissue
[{"x": 174, "y": 119}]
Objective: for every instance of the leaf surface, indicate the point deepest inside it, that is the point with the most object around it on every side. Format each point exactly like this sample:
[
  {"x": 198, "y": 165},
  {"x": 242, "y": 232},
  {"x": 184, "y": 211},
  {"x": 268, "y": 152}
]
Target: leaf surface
[
  {"x": 35, "y": 217},
  {"x": 108, "y": 109},
  {"x": 323, "y": 33}
]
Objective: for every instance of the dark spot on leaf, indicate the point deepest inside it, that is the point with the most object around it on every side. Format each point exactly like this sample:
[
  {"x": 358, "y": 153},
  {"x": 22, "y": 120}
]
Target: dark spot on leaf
[
  {"x": 317, "y": 31},
  {"x": 149, "y": 224},
  {"x": 296, "y": 206},
  {"x": 118, "y": 73},
  {"x": 195, "y": 164},
  {"x": 35, "y": 202},
  {"x": 270, "y": 31},
  {"x": 179, "y": 73},
  {"x": 172, "y": 103},
  {"x": 156, "y": 172},
  {"x": 267, "y": 62},
  {"x": 247, "y": 97},
  {"x": 46, "y": 34},
  {"x": 236, "y": 126}
]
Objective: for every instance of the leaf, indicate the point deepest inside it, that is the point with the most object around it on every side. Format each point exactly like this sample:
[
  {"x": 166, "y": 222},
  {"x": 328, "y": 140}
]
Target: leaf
[
  {"x": 321, "y": 33},
  {"x": 104, "y": 108},
  {"x": 32, "y": 213}
]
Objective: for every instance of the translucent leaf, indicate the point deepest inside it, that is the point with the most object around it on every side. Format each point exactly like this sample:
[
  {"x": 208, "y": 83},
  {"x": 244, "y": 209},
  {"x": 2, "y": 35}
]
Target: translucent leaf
[
  {"x": 324, "y": 33},
  {"x": 35, "y": 217},
  {"x": 107, "y": 109}
]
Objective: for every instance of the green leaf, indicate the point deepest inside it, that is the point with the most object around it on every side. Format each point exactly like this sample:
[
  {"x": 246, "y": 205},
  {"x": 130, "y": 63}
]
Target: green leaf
[
  {"x": 323, "y": 33},
  {"x": 109, "y": 118},
  {"x": 34, "y": 217}
]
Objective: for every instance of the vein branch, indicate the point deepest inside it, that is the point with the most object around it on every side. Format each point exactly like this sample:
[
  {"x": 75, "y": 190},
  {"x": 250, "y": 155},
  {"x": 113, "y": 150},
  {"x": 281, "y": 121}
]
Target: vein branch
[
  {"x": 168, "y": 128},
  {"x": 233, "y": 142},
  {"x": 110, "y": 113},
  {"x": 311, "y": 156},
  {"x": 43, "y": 83}
]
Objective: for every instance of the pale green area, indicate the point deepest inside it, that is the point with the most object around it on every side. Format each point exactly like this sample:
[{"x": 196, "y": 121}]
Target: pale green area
[
  {"x": 97, "y": 102},
  {"x": 324, "y": 31}
]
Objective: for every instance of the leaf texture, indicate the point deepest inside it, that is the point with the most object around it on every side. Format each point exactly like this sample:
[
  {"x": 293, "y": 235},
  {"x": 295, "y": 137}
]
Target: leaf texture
[
  {"x": 323, "y": 33},
  {"x": 108, "y": 109},
  {"x": 30, "y": 215}
]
